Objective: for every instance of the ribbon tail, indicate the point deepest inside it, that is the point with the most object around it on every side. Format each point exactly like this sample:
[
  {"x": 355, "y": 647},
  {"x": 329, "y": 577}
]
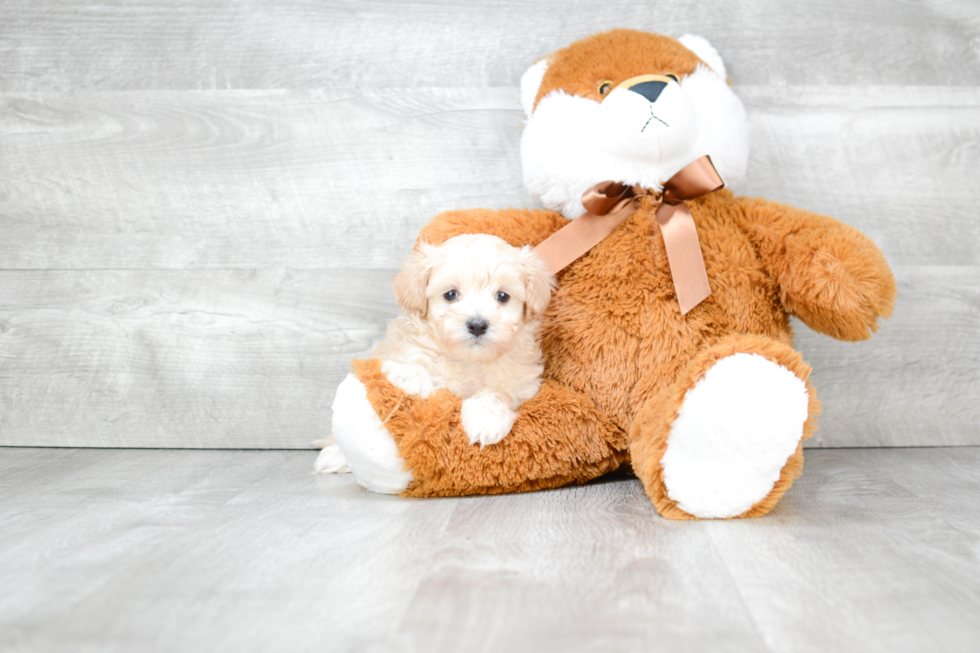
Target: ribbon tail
[
  {"x": 580, "y": 235},
  {"x": 684, "y": 255}
]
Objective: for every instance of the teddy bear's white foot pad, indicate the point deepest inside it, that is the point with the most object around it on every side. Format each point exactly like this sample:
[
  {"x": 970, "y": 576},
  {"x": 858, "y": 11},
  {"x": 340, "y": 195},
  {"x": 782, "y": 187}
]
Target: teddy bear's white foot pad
[
  {"x": 365, "y": 443},
  {"x": 732, "y": 436}
]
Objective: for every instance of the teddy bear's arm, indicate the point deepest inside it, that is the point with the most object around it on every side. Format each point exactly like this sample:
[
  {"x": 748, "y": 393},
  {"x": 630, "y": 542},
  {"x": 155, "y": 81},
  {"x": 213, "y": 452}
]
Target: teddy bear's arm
[
  {"x": 516, "y": 226},
  {"x": 830, "y": 275}
]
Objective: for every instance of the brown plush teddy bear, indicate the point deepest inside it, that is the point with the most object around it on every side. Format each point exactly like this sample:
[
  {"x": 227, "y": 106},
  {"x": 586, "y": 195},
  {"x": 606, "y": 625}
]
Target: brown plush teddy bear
[{"x": 672, "y": 357}]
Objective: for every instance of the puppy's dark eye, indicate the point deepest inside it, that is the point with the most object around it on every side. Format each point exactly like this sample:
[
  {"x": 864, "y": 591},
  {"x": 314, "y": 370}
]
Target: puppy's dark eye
[
  {"x": 604, "y": 87},
  {"x": 673, "y": 77},
  {"x": 451, "y": 296},
  {"x": 502, "y": 297}
]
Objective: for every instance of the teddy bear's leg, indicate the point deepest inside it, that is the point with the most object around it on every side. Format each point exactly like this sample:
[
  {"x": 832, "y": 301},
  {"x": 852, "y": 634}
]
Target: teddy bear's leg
[
  {"x": 727, "y": 439},
  {"x": 368, "y": 449},
  {"x": 414, "y": 446}
]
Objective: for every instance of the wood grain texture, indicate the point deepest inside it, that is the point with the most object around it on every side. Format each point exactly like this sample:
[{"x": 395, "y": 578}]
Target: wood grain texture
[
  {"x": 226, "y": 358},
  {"x": 60, "y": 45},
  {"x": 202, "y": 203},
  {"x": 181, "y": 358},
  {"x": 117, "y": 550},
  {"x": 917, "y": 381},
  {"x": 832, "y": 540},
  {"x": 339, "y": 179},
  {"x": 247, "y": 179},
  {"x": 898, "y": 163}
]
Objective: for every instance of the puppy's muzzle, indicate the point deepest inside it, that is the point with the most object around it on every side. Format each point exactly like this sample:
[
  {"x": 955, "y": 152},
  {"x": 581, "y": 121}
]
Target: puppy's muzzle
[{"x": 477, "y": 326}]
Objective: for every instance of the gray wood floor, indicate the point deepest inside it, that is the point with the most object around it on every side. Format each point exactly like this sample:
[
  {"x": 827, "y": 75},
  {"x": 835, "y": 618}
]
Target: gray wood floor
[
  {"x": 202, "y": 203},
  {"x": 181, "y": 550}
]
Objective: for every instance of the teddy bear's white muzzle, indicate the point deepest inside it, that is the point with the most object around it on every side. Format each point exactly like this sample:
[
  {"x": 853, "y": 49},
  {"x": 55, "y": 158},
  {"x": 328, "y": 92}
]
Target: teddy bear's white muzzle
[{"x": 662, "y": 130}]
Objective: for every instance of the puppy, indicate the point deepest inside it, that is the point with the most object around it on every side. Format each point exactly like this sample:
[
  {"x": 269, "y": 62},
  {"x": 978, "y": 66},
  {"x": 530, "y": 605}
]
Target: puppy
[{"x": 471, "y": 312}]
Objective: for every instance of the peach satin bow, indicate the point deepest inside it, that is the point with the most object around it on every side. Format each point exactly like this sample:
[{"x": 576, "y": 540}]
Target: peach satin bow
[{"x": 609, "y": 204}]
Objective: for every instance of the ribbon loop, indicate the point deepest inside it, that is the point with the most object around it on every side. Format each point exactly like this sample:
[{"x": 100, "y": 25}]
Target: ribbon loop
[
  {"x": 604, "y": 196},
  {"x": 610, "y": 203},
  {"x": 697, "y": 178}
]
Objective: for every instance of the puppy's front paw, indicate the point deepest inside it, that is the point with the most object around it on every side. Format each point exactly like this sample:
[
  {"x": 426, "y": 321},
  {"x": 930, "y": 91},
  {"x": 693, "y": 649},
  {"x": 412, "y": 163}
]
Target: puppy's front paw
[
  {"x": 412, "y": 379},
  {"x": 331, "y": 461},
  {"x": 486, "y": 419}
]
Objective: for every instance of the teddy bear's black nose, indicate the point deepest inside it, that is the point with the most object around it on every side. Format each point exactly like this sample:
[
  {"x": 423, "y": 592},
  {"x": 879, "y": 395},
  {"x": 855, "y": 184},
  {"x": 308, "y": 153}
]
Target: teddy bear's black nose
[
  {"x": 477, "y": 326},
  {"x": 650, "y": 90}
]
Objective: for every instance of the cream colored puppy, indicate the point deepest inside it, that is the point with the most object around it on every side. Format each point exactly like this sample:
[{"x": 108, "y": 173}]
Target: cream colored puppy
[{"x": 471, "y": 311}]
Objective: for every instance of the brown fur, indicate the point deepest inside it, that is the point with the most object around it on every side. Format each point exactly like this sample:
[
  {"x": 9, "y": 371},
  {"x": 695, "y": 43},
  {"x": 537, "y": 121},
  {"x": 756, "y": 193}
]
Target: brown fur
[
  {"x": 614, "y": 56},
  {"x": 559, "y": 438},
  {"x": 619, "y": 356}
]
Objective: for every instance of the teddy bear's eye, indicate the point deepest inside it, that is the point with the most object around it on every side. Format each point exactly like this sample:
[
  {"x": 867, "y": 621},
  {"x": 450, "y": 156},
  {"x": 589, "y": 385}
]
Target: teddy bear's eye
[
  {"x": 451, "y": 296},
  {"x": 673, "y": 77},
  {"x": 605, "y": 87},
  {"x": 502, "y": 297}
]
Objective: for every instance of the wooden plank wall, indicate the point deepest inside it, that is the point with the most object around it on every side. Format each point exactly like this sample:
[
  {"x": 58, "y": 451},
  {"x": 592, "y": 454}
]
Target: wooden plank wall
[{"x": 202, "y": 203}]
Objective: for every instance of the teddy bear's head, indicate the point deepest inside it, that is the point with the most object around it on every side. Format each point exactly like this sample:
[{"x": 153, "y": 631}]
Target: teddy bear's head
[{"x": 631, "y": 107}]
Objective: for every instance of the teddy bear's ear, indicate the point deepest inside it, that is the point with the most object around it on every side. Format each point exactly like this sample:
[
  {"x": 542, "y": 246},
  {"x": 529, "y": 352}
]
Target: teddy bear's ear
[
  {"x": 412, "y": 281},
  {"x": 530, "y": 83},
  {"x": 700, "y": 46}
]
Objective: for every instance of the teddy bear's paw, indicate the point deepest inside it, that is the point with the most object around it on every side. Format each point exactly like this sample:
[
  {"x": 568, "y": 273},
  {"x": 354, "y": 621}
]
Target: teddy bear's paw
[
  {"x": 367, "y": 447},
  {"x": 331, "y": 461},
  {"x": 486, "y": 419},
  {"x": 411, "y": 379},
  {"x": 733, "y": 434}
]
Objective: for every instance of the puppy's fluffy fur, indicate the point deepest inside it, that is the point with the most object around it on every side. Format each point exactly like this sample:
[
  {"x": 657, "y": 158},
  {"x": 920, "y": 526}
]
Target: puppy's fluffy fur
[{"x": 471, "y": 312}]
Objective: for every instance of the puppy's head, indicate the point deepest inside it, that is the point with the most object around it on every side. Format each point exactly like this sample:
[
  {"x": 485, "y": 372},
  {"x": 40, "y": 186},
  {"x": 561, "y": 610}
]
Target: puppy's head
[{"x": 476, "y": 292}]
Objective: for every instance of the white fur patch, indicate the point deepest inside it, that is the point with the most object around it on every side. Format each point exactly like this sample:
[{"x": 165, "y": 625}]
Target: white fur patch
[
  {"x": 732, "y": 436},
  {"x": 331, "y": 461},
  {"x": 530, "y": 83},
  {"x": 366, "y": 445},
  {"x": 486, "y": 419},
  {"x": 705, "y": 51},
  {"x": 725, "y": 125}
]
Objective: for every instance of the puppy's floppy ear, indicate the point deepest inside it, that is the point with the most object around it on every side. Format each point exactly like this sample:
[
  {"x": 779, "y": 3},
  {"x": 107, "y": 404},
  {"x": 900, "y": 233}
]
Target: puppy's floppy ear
[
  {"x": 538, "y": 285},
  {"x": 411, "y": 282}
]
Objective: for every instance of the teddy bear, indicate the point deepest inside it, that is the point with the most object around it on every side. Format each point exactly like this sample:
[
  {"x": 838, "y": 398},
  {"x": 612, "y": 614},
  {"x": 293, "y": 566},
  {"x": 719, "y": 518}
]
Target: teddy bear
[{"x": 667, "y": 344}]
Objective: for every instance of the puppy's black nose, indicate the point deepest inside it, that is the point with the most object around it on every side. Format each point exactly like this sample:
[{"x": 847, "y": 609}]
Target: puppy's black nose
[{"x": 477, "y": 326}]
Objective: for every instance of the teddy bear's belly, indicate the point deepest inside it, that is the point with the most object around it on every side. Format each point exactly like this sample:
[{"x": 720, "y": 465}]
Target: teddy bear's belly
[{"x": 614, "y": 330}]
